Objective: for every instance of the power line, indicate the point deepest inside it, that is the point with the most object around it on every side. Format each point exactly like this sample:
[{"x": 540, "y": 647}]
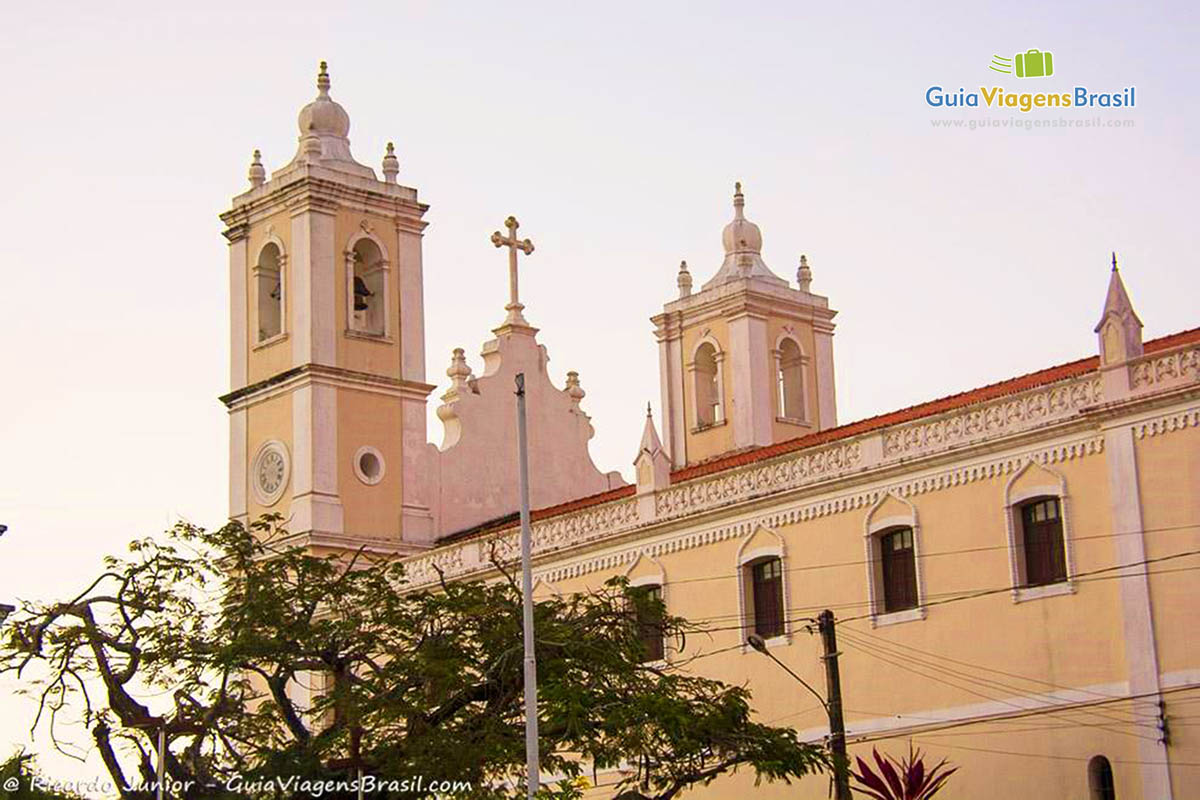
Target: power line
[
  {"x": 1076, "y": 576},
  {"x": 967, "y": 688},
  {"x": 1171, "y": 763},
  {"x": 972, "y": 665},
  {"x": 970, "y": 594},
  {"x": 918, "y": 730},
  {"x": 936, "y": 554}
]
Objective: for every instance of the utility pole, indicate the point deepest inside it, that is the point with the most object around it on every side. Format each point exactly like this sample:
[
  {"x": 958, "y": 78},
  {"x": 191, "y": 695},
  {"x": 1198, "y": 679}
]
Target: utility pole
[
  {"x": 532, "y": 765},
  {"x": 837, "y": 724}
]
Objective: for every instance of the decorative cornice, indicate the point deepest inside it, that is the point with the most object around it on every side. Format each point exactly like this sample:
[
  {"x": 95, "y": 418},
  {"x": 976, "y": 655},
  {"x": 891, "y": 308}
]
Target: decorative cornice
[
  {"x": 850, "y": 474},
  {"x": 290, "y": 379},
  {"x": 997, "y": 418},
  {"x": 1163, "y": 370},
  {"x": 311, "y": 189}
]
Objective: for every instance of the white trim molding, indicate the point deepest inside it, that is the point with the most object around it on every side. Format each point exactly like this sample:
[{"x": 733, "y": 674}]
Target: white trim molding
[
  {"x": 744, "y": 559},
  {"x": 1055, "y": 486},
  {"x": 361, "y": 473},
  {"x": 873, "y": 529}
]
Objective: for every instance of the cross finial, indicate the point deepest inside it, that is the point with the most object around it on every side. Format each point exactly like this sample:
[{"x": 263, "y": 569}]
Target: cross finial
[
  {"x": 514, "y": 307},
  {"x": 1114, "y": 262}
]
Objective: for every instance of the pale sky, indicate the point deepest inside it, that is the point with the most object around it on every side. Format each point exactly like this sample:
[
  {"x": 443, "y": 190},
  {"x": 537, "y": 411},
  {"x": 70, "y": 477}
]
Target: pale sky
[{"x": 615, "y": 133}]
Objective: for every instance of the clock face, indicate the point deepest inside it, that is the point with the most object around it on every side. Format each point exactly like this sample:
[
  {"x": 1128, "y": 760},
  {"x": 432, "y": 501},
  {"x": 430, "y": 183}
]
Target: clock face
[{"x": 270, "y": 472}]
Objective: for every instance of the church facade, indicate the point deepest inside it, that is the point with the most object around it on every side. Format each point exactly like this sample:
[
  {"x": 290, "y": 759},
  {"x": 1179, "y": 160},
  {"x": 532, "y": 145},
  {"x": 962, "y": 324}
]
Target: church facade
[{"x": 1013, "y": 569}]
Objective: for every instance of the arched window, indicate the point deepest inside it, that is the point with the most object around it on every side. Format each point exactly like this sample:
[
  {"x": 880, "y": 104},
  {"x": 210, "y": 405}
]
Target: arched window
[
  {"x": 707, "y": 372},
  {"x": 898, "y": 565},
  {"x": 647, "y": 600},
  {"x": 1044, "y": 558},
  {"x": 766, "y": 590},
  {"x": 1100, "y": 779},
  {"x": 789, "y": 369},
  {"x": 368, "y": 288},
  {"x": 268, "y": 279}
]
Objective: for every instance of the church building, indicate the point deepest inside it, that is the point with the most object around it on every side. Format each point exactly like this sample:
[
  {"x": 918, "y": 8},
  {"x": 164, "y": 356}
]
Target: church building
[{"x": 1013, "y": 569}]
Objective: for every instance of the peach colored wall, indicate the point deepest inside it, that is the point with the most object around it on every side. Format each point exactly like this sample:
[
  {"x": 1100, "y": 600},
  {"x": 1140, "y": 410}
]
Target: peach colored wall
[
  {"x": 1073, "y": 640},
  {"x": 369, "y": 419},
  {"x": 1169, "y": 471},
  {"x": 270, "y": 419}
]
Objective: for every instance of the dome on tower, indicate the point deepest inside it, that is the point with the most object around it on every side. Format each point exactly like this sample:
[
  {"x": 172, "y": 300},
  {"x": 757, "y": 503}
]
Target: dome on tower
[
  {"x": 323, "y": 116},
  {"x": 741, "y": 235},
  {"x": 743, "y": 248},
  {"x": 324, "y": 126}
]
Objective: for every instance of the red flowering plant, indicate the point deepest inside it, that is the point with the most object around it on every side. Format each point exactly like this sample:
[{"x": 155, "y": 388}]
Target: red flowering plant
[{"x": 909, "y": 779}]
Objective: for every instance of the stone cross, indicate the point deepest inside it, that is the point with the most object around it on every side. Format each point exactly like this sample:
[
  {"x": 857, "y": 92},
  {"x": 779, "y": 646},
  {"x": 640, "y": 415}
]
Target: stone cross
[{"x": 514, "y": 307}]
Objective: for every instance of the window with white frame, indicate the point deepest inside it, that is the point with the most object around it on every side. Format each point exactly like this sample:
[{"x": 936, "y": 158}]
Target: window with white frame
[
  {"x": 648, "y": 612},
  {"x": 1043, "y": 558},
  {"x": 898, "y": 570},
  {"x": 765, "y": 589}
]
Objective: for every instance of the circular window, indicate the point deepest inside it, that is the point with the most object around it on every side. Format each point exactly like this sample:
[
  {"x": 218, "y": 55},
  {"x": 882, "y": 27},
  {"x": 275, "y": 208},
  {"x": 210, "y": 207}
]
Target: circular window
[
  {"x": 368, "y": 465},
  {"x": 270, "y": 472}
]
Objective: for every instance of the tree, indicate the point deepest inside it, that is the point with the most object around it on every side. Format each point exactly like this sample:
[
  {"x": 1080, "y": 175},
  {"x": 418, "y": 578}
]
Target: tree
[
  {"x": 20, "y": 779},
  {"x": 264, "y": 661}
]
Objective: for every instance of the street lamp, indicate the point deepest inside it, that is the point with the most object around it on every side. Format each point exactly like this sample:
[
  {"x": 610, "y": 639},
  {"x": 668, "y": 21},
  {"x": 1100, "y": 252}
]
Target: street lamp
[
  {"x": 833, "y": 708},
  {"x": 760, "y": 644}
]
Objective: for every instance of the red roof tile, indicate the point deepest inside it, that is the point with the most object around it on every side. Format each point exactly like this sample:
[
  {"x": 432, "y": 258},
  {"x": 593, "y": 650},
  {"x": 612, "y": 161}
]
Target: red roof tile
[{"x": 1043, "y": 377}]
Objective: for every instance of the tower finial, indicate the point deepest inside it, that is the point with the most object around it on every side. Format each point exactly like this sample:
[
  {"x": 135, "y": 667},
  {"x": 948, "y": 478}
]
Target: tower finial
[
  {"x": 739, "y": 201},
  {"x": 323, "y": 79},
  {"x": 391, "y": 164},
  {"x": 684, "y": 281},
  {"x": 1114, "y": 260},
  {"x": 258, "y": 174},
  {"x": 648, "y": 412},
  {"x": 804, "y": 274}
]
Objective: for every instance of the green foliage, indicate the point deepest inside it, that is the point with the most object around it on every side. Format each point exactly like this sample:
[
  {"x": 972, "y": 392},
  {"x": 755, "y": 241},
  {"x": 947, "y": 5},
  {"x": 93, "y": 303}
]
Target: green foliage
[
  {"x": 30, "y": 784},
  {"x": 213, "y": 635}
]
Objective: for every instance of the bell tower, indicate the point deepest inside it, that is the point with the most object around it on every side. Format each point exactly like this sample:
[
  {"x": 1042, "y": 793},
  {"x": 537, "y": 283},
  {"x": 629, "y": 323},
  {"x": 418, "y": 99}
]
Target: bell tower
[
  {"x": 327, "y": 364},
  {"x": 746, "y": 361}
]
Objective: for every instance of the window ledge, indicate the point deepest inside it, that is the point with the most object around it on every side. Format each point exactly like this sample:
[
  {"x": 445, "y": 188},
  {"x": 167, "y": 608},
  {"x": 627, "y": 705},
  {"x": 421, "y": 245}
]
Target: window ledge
[
  {"x": 782, "y": 640},
  {"x": 803, "y": 423},
  {"x": 1023, "y": 594},
  {"x": 708, "y": 427},
  {"x": 370, "y": 337},
  {"x": 897, "y": 617},
  {"x": 279, "y": 337}
]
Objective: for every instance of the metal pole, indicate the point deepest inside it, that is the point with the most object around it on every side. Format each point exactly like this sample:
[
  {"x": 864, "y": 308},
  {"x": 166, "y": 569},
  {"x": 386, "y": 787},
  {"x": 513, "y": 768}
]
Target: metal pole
[
  {"x": 162, "y": 758},
  {"x": 532, "y": 766},
  {"x": 837, "y": 725}
]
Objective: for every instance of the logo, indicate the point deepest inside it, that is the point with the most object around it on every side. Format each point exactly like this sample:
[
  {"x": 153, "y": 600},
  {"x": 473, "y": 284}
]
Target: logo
[{"x": 1030, "y": 64}]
